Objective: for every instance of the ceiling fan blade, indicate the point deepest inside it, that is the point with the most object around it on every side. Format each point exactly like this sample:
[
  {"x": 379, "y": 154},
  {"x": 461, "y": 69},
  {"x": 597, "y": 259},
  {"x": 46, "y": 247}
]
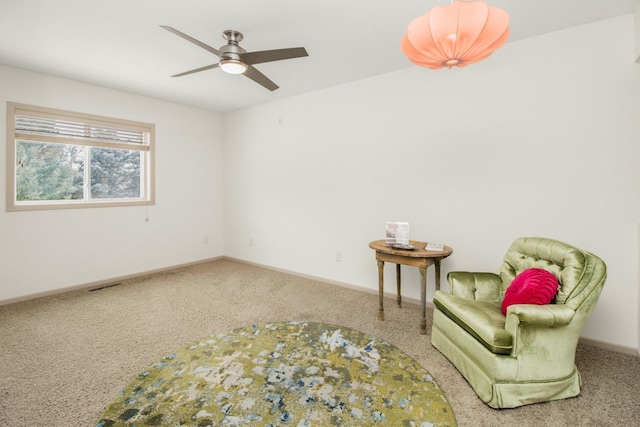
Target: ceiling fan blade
[
  {"x": 197, "y": 70},
  {"x": 260, "y": 78},
  {"x": 273, "y": 55},
  {"x": 191, "y": 39}
]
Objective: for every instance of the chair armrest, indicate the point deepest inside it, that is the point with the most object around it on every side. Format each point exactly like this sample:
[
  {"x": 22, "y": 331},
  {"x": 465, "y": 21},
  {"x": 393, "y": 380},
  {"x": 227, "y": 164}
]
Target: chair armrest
[
  {"x": 476, "y": 286},
  {"x": 543, "y": 336},
  {"x": 543, "y": 316}
]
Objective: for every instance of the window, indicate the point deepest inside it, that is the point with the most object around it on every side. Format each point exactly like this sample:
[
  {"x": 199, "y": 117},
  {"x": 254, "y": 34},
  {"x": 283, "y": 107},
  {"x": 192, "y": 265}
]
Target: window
[{"x": 59, "y": 159}]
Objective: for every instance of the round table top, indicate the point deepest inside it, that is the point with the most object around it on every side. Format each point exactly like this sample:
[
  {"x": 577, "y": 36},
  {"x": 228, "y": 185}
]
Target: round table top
[{"x": 418, "y": 252}]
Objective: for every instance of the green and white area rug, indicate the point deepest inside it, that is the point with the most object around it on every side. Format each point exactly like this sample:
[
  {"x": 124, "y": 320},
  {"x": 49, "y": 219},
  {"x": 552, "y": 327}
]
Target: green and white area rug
[{"x": 283, "y": 374}]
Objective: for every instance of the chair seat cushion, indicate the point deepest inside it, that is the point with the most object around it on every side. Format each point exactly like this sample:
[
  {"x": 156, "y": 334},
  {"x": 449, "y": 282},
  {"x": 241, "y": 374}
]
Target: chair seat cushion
[
  {"x": 482, "y": 319},
  {"x": 532, "y": 286}
]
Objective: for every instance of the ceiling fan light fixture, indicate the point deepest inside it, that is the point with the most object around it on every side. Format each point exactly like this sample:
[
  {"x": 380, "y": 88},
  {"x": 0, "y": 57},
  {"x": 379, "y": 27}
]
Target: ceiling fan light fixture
[{"x": 233, "y": 66}]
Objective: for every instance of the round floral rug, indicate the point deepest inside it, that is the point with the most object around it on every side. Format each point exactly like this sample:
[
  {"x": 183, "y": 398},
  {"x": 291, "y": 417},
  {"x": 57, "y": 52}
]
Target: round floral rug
[{"x": 283, "y": 374}]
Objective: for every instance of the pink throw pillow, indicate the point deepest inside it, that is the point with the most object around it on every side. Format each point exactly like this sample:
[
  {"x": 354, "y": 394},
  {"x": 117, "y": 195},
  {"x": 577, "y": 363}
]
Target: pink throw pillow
[{"x": 532, "y": 286}]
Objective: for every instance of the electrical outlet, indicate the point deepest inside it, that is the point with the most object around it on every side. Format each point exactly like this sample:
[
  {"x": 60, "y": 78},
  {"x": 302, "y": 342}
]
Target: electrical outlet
[
  {"x": 250, "y": 241},
  {"x": 205, "y": 240},
  {"x": 338, "y": 256}
]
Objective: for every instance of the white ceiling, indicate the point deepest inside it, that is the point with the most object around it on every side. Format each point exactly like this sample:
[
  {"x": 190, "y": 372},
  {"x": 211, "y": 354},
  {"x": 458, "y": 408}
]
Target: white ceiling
[{"x": 119, "y": 44}]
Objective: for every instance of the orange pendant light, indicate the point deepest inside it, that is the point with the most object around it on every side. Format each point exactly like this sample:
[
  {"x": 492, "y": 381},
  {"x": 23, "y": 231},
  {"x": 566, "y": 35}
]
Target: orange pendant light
[{"x": 457, "y": 34}]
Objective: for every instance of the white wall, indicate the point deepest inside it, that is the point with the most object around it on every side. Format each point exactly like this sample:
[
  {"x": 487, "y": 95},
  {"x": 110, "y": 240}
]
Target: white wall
[
  {"x": 637, "y": 57},
  {"x": 42, "y": 251},
  {"x": 637, "y": 31},
  {"x": 541, "y": 139}
]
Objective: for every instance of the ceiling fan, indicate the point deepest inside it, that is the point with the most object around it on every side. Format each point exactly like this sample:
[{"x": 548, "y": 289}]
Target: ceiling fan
[{"x": 235, "y": 60}]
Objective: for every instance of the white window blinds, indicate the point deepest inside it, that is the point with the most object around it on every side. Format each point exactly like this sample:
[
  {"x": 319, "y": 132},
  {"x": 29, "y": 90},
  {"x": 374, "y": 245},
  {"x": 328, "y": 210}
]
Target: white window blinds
[{"x": 34, "y": 125}]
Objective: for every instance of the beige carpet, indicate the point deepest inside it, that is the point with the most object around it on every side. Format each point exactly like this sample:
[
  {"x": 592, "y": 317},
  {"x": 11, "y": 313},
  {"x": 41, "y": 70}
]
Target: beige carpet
[{"x": 64, "y": 358}]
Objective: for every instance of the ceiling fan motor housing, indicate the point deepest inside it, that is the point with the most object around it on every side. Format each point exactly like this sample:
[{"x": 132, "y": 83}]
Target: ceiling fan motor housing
[{"x": 232, "y": 50}]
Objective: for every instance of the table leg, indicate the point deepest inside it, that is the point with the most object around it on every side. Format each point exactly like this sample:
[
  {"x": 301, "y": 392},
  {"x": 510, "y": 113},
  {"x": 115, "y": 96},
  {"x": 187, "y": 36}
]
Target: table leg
[
  {"x": 437, "y": 263},
  {"x": 398, "y": 284},
  {"x": 381, "y": 289},
  {"x": 423, "y": 300}
]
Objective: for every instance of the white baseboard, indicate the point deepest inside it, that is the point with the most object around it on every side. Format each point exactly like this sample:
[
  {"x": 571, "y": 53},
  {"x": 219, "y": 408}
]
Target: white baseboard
[
  {"x": 588, "y": 341},
  {"x": 609, "y": 346},
  {"x": 104, "y": 282},
  {"x": 325, "y": 280},
  {"x": 99, "y": 283}
]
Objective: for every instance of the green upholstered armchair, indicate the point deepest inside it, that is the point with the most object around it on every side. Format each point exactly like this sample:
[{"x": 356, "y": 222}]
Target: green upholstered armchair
[{"x": 527, "y": 356}]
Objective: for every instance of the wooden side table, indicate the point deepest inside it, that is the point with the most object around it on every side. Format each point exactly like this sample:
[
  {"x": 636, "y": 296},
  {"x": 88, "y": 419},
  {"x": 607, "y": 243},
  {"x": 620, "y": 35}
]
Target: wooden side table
[{"x": 417, "y": 257}]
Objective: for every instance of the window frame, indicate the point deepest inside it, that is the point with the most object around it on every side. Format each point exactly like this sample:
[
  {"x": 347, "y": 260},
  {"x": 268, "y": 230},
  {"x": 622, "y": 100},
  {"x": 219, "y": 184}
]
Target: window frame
[{"x": 147, "y": 150}]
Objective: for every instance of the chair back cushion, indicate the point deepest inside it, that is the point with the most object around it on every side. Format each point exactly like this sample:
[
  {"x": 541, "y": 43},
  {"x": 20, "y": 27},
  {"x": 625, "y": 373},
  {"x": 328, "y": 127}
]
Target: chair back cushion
[{"x": 575, "y": 269}]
